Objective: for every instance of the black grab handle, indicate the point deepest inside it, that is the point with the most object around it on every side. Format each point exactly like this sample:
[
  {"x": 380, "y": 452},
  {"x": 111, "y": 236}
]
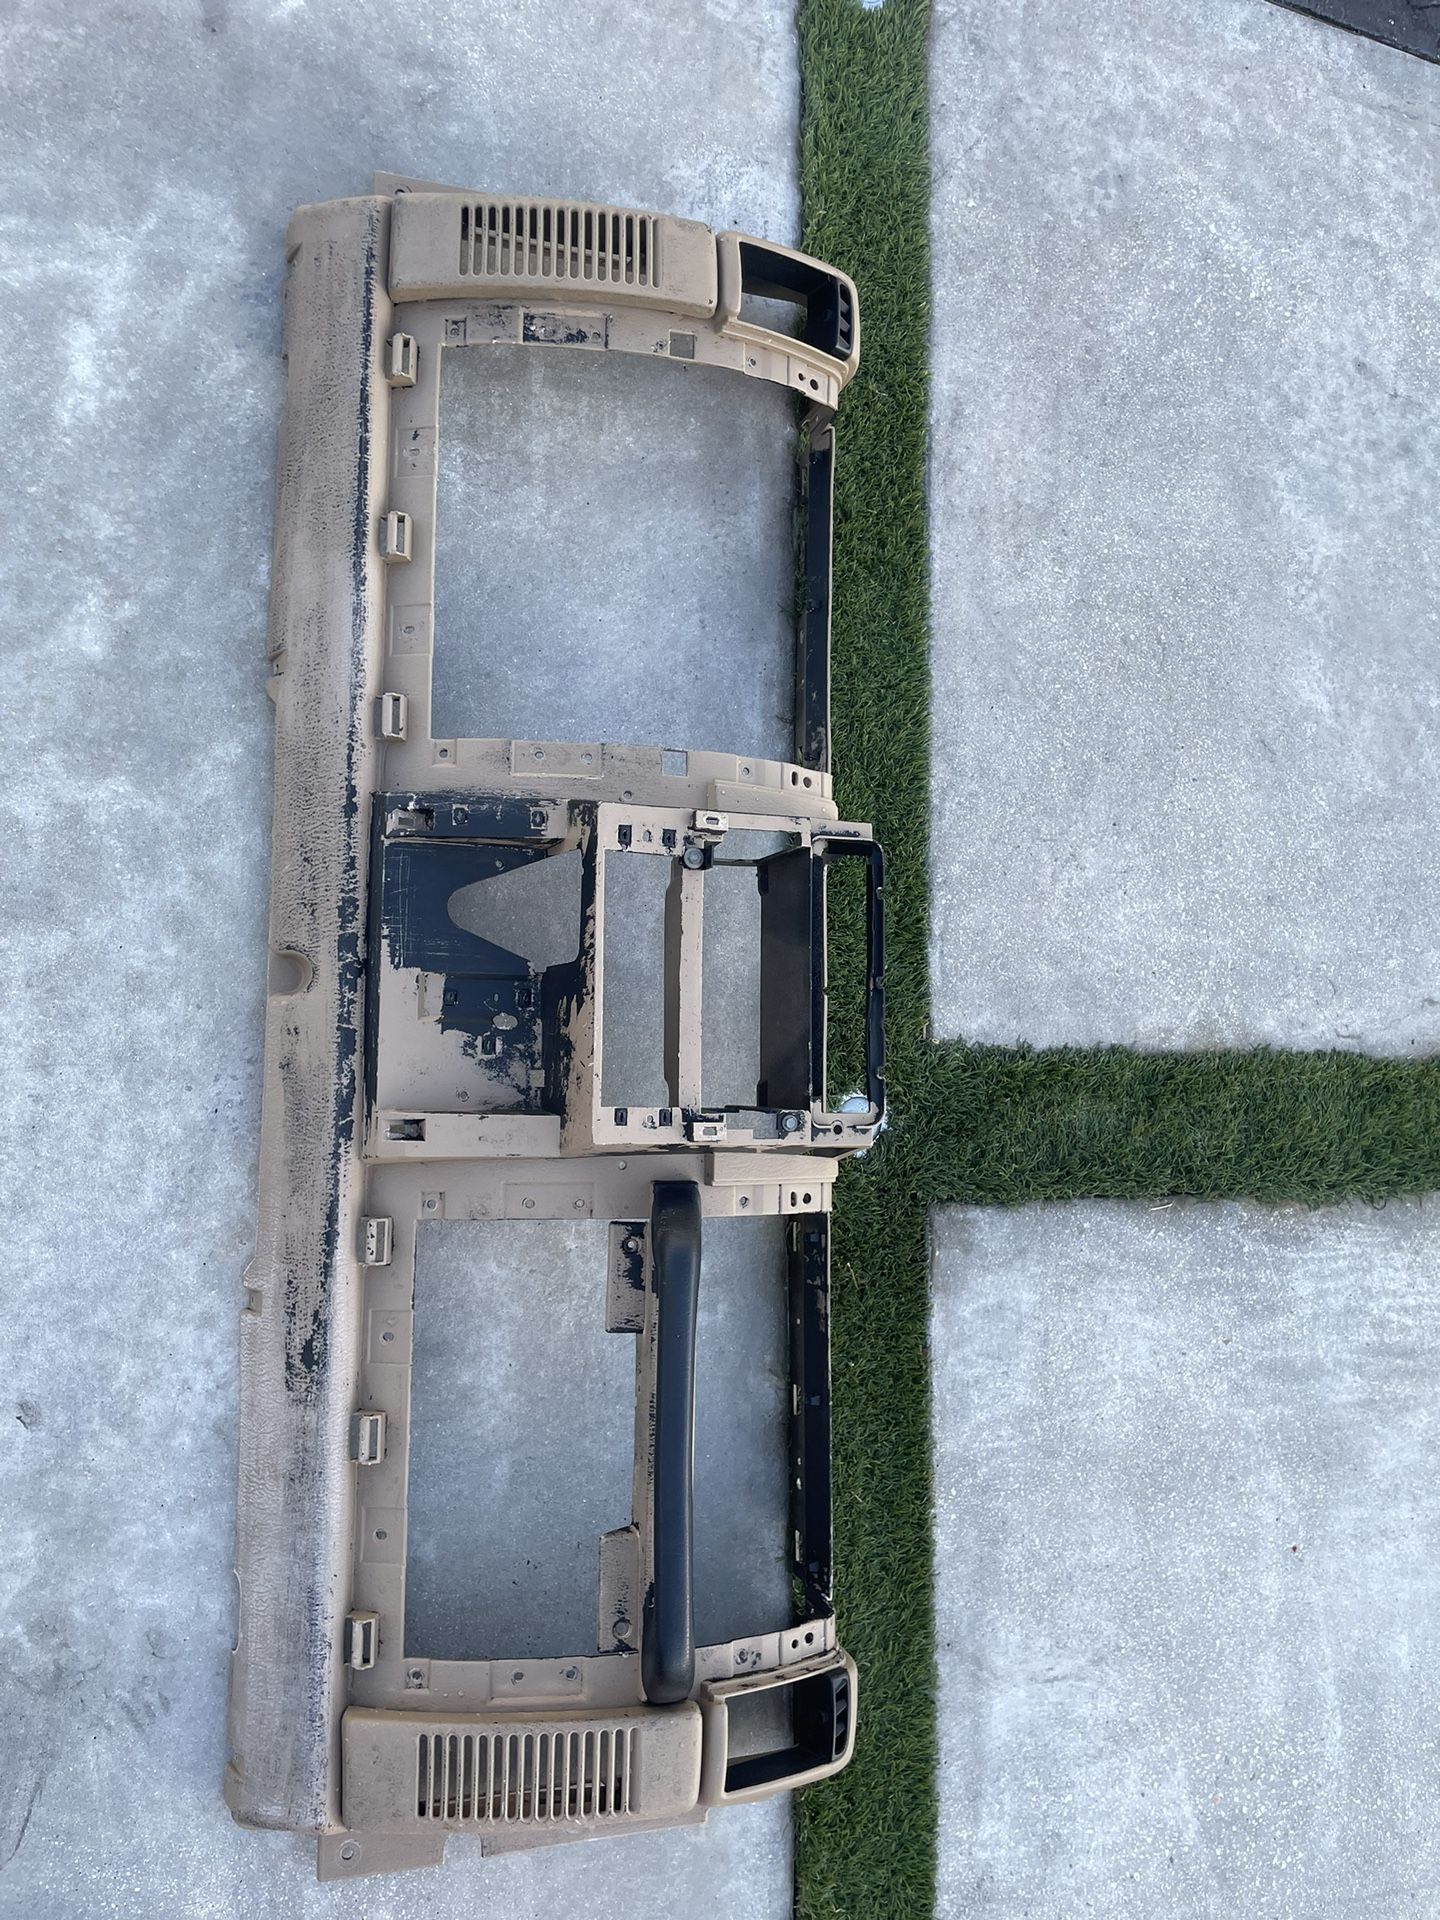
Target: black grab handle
[{"x": 667, "y": 1644}]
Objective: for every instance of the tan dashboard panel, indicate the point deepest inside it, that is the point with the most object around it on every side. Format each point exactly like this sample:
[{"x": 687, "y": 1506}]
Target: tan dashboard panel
[{"x": 417, "y": 1073}]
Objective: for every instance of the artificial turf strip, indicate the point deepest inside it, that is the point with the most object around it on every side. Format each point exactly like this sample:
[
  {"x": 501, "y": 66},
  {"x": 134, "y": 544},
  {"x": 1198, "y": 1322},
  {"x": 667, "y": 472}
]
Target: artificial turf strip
[
  {"x": 999, "y": 1124},
  {"x": 865, "y": 1841},
  {"x": 969, "y": 1124}
]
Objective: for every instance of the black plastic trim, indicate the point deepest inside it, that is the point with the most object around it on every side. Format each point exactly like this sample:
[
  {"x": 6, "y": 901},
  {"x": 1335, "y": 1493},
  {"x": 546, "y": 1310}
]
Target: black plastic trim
[
  {"x": 667, "y": 1645},
  {"x": 1411, "y": 26},
  {"x": 820, "y": 1721},
  {"x": 824, "y": 296},
  {"x": 808, "y": 1263},
  {"x": 812, "y": 654}
]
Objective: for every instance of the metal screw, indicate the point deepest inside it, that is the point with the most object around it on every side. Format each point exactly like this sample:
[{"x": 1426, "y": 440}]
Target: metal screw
[
  {"x": 622, "y": 1628},
  {"x": 693, "y": 858},
  {"x": 790, "y": 1123},
  {"x": 529, "y": 1203},
  {"x": 570, "y": 1673},
  {"x": 630, "y": 1243}
]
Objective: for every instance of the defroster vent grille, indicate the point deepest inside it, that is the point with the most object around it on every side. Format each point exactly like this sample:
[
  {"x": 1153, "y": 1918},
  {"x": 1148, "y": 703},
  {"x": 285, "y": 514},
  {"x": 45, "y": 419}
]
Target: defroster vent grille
[
  {"x": 552, "y": 240},
  {"x": 531, "y": 1775}
]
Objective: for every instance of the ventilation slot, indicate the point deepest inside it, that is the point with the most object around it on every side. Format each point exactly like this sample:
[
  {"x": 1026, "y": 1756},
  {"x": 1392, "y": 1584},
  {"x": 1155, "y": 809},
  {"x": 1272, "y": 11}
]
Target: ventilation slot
[
  {"x": 541, "y": 1775},
  {"x": 548, "y": 240}
]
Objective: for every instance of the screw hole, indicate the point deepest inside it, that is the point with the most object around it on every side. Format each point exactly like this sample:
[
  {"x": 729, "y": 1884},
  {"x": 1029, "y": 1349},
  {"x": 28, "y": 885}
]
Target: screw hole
[
  {"x": 387, "y": 1335},
  {"x": 381, "y": 1534},
  {"x": 349, "y": 1850}
]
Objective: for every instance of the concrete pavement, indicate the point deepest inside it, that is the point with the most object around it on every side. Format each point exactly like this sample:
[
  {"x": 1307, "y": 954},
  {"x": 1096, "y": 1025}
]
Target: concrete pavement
[
  {"x": 1189, "y": 1561},
  {"x": 1186, "y": 719}
]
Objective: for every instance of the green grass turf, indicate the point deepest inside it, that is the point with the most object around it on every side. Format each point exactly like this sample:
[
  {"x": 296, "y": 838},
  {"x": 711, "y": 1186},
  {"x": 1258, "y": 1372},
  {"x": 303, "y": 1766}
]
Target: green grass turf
[
  {"x": 1006, "y": 1125},
  {"x": 865, "y": 1842},
  {"x": 969, "y": 1124}
]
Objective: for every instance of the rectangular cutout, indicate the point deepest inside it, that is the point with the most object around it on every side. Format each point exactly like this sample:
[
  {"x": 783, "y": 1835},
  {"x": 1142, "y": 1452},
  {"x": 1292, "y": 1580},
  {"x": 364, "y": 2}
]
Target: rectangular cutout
[
  {"x": 845, "y": 1009},
  {"x": 730, "y": 1018},
  {"x": 770, "y": 278},
  {"x": 521, "y": 1439},
  {"x": 632, "y": 1071},
  {"x": 759, "y": 1722},
  {"x": 742, "y": 1410},
  {"x": 815, "y": 1731},
  {"x": 687, "y": 594}
]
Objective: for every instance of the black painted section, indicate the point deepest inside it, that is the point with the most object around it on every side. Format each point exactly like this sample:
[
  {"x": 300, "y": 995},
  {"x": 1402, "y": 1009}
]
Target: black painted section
[
  {"x": 1412, "y": 26},
  {"x": 563, "y": 988},
  {"x": 827, "y": 323},
  {"x": 418, "y": 878},
  {"x": 667, "y": 1646},
  {"x": 463, "y": 816},
  {"x": 424, "y": 847}
]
